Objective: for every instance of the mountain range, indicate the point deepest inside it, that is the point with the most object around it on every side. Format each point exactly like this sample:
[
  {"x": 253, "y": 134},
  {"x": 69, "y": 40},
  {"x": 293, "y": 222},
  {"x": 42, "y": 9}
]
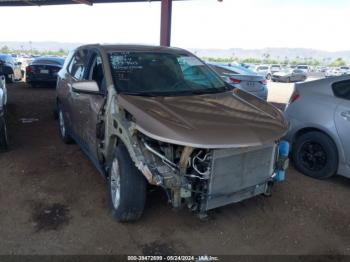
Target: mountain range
[{"x": 277, "y": 53}]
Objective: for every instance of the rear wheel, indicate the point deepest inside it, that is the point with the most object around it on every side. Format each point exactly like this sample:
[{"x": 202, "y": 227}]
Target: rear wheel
[
  {"x": 10, "y": 78},
  {"x": 127, "y": 187},
  {"x": 63, "y": 128},
  {"x": 315, "y": 155},
  {"x": 3, "y": 135}
]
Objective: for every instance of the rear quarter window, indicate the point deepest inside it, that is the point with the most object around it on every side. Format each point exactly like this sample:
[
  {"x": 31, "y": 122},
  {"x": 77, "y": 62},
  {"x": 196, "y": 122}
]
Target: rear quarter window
[{"x": 342, "y": 89}]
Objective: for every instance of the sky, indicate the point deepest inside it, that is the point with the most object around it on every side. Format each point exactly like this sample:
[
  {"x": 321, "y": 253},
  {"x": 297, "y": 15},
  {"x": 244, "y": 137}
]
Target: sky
[{"x": 248, "y": 24}]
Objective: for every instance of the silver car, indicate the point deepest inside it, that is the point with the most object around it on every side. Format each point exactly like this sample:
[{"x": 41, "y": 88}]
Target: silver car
[
  {"x": 289, "y": 75},
  {"x": 243, "y": 78},
  {"x": 319, "y": 115}
]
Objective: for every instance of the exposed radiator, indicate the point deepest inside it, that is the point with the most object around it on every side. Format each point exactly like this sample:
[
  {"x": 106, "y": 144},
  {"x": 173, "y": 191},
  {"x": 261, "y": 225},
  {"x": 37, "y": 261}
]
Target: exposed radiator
[{"x": 239, "y": 173}]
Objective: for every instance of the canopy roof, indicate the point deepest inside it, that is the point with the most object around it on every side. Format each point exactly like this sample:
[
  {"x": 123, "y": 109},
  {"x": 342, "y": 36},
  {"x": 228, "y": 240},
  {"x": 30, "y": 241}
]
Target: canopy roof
[
  {"x": 64, "y": 2},
  {"x": 166, "y": 10}
]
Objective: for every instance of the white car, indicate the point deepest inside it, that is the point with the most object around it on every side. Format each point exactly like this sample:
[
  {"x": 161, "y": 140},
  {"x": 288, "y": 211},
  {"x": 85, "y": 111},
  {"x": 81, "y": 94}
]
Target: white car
[
  {"x": 344, "y": 70},
  {"x": 333, "y": 72},
  {"x": 304, "y": 68}
]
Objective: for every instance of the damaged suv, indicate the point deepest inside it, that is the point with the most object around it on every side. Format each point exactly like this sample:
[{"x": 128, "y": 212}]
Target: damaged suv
[{"x": 161, "y": 116}]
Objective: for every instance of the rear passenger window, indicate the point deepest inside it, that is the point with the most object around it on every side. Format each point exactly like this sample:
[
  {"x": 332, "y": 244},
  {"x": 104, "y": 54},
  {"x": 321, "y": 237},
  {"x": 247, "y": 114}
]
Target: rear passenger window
[{"x": 342, "y": 89}]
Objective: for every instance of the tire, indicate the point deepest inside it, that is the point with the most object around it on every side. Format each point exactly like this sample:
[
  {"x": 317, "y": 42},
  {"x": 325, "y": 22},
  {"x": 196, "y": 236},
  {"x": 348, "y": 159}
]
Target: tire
[
  {"x": 126, "y": 187},
  {"x": 10, "y": 78},
  {"x": 3, "y": 135},
  {"x": 288, "y": 80},
  {"x": 62, "y": 128},
  {"x": 268, "y": 76},
  {"x": 315, "y": 155}
]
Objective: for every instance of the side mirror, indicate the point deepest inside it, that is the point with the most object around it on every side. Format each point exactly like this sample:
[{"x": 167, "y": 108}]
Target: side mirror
[{"x": 89, "y": 87}]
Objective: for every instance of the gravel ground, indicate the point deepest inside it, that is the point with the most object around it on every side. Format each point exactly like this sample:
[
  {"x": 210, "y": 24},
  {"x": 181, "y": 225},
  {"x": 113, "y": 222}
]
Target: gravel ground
[{"x": 53, "y": 201}]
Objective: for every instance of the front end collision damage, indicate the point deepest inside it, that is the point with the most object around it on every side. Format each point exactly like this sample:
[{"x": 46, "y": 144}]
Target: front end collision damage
[{"x": 199, "y": 178}]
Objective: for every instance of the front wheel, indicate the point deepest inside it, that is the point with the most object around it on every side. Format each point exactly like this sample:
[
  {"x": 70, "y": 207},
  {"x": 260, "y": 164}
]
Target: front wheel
[
  {"x": 127, "y": 187},
  {"x": 268, "y": 76},
  {"x": 3, "y": 135},
  {"x": 315, "y": 155}
]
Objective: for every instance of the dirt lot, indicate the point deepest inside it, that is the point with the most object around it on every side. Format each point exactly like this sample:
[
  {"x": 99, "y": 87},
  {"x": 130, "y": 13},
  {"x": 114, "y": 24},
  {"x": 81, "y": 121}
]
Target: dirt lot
[{"x": 53, "y": 201}]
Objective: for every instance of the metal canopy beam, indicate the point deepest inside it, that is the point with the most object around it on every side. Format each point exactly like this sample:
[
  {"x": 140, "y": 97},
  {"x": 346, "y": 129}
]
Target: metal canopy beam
[
  {"x": 66, "y": 2},
  {"x": 165, "y": 23}
]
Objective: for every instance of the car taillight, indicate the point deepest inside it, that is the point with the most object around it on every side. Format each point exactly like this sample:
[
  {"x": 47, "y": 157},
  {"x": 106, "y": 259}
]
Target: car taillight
[
  {"x": 263, "y": 82},
  {"x": 29, "y": 69},
  {"x": 295, "y": 96},
  {"x": 234, "y": 80}
]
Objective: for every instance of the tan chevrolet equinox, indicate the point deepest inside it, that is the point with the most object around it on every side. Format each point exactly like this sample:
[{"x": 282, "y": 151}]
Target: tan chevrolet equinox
[{"x": 161, "y": 116}]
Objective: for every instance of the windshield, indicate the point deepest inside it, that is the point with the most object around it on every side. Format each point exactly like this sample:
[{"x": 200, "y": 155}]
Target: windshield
[
  {"x": 48, "y": 60},
  {"x": 302, "y": 67},
  {"x": 159, "y": 74},
  {"x": 261, "y": 68}
]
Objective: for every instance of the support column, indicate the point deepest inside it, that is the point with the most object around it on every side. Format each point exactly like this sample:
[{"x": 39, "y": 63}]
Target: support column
[{"x": 165, "y": 22}]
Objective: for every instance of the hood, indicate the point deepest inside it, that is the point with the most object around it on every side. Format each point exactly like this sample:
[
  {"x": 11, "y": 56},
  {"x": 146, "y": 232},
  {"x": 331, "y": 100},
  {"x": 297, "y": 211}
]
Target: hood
[
  {"x": 223, "y": 120},
  {"x": 282, "y": 73}
]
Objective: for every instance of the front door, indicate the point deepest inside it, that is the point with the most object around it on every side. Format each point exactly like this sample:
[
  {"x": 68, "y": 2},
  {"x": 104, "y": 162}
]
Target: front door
[{"x": 90, "y": 104}]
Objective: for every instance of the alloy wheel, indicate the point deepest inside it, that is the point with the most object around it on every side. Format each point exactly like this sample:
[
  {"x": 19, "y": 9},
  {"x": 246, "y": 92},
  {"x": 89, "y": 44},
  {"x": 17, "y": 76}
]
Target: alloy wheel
[{"x": 115, "y": 183}]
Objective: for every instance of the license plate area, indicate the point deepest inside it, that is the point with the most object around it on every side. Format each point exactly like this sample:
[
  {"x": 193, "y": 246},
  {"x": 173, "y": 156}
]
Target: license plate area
[
  {"x": 250, "y": 83},
  {"x": 44, "y": 71}
]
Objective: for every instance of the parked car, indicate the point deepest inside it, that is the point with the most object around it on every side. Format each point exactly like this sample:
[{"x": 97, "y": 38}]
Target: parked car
[
  {"x": 319, "y": 114},
  {"x": 305, "y": 68},
  {"x": 289, "y": 75},
  {"x": 161, "y": 116},
  {"x": 10, "y": 68},
  {"x": 43, "y": 70},
  {"x": 242, "y": 78},
  {"x": 344, "y": 70},
  {"x": 275, "y": 69},
  {"x": 3, "y": 101},
  {"x": 264, "y": 70},
  {"x": 333, "y": 72}
]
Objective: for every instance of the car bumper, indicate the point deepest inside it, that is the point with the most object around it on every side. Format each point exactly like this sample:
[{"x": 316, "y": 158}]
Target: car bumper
[
  {"x": 279, "y": 79},
  {"x": 46, "y": 79}
]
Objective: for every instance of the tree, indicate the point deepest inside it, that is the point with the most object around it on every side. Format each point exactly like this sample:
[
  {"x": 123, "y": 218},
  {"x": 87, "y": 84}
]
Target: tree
[
  {"x": 338, "y": 62},
  {"x": 5, "y": 49}
]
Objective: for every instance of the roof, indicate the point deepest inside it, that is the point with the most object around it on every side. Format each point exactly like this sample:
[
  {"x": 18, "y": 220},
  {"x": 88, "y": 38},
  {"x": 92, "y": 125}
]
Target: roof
[
  {"x": 64, "y": 2},
  {"x": 136, "y": 47}
]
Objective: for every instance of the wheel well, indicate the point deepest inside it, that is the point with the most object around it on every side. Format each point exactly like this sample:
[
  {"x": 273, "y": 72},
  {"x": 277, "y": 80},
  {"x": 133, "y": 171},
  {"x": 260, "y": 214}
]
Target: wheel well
[
  {"x": 313, "y": 129},
  {"x": 310, "y": 129}
]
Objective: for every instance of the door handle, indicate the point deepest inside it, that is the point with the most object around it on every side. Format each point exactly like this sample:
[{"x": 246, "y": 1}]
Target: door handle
[{"x": 346, "y": 115}]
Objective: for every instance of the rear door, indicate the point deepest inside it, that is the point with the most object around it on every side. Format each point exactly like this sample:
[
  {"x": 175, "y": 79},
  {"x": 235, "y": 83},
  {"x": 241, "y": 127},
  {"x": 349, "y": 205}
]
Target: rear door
[
  {"x": 76, "y": 72},
  {"x": 342, "y": 115}
]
